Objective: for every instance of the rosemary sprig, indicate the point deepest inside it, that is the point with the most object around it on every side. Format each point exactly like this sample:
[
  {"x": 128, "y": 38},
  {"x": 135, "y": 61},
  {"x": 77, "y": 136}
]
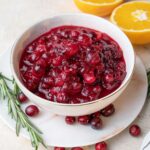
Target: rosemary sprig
[{"x": 16, "y": 112}]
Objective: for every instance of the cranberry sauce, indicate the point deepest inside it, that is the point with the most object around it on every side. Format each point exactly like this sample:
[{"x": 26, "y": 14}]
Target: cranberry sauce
[{"x": 71, "y": 64}]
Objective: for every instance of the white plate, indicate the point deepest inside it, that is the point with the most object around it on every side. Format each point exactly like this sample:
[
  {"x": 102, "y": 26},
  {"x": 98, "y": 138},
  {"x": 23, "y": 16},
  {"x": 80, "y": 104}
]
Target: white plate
[{"x": 57, "y": 133}]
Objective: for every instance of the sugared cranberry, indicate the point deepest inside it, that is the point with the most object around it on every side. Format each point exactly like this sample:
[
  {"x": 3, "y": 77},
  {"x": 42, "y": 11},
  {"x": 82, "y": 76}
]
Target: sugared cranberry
[
  {"x": 84, "y": 120},
  {"x": 70, "y": 120},
  {"x": 135, "y": 130},
  {"x": 108, "y": 111},
  {"x": 32, "y": 110},
  {"x": 22, "y": 98},
  {"x": 77, "y": 148},
  {"x": 96, "y": 123},
  {"x": 59, "y": 148},
  {"x": 101, "y": 146}
]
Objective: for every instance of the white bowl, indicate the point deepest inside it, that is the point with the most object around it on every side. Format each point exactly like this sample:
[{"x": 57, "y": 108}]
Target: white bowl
[{"x": 85, "y": 20}]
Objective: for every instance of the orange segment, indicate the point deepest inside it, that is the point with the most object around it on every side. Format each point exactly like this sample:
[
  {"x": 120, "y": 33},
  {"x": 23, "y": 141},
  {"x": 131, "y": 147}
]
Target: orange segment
[
  {"x": 97, "y": 7},
  {"x": 134, "y": 19}
]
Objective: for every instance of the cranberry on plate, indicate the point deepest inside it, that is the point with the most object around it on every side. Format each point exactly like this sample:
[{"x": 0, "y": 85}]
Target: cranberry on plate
[
  {"x": 108, "y": 111},
  {"x": 32, "y": 110},
  {"x": 101, "y": 146},
  {"x": 84, "y": 120},
  {"x": 96, "y": 114},
  {"x": 96, "y": 123},
  {"x": 77, "y": 148},
  {"x": 135, "y": 130},
  {"x": 72, "y": 64},
  {"x": 59, "y": 148},
  {"x": 70, "y": 120},
  {"x": 22, "y": 98}
]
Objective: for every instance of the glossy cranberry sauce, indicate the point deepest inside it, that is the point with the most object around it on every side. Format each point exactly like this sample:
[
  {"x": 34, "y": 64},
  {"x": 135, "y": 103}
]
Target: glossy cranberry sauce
[{"x": 72, "y": 64}]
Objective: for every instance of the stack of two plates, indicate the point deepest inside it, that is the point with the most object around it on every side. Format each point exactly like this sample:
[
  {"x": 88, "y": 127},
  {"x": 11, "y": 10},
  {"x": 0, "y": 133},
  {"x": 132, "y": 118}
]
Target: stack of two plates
[{"x": 57, "y": 133}]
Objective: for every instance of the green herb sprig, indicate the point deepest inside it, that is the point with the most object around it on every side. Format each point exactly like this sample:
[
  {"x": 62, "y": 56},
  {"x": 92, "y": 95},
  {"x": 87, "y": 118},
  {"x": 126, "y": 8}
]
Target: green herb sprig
[{"x": 15, "y": 111}]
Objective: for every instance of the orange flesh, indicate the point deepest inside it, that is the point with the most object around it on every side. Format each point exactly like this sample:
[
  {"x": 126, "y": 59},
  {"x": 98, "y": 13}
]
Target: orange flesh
[{"x": 134, "y": 16}]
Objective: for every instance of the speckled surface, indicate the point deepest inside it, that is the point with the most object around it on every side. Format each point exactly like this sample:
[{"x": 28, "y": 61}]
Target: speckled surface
[{"x": 15, "y": 17}]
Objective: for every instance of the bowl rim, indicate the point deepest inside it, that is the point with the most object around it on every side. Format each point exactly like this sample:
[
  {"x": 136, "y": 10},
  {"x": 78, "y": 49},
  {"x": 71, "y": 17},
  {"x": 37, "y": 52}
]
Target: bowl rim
[{"x": 22, "y": 86}]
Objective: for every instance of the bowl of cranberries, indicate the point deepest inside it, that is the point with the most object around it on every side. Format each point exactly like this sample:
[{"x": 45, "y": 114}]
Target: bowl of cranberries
[{"x": 73, "y": 64}]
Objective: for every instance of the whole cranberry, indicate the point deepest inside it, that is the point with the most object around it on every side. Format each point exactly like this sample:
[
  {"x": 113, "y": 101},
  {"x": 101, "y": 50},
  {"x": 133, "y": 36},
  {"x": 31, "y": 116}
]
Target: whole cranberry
[
  {"x": 101, "y": 146},
  {"x": 89, "y": 77},
  {"x": 84, "y": 40},
  {"x": 74, "y": 34},
  {"x": 84, "y": 120},
  {"x": 22, "y": 98},
  {"x": 59, "y": 148},
  {"x": 32, "y": 110},
  {"x": 72, "y": 50},
  {"x": 76, "y": 87},
  {"x": 109, "y": 78},
  {"x": 57, "y": 61},
  {"x": 70, "y": 120},
  {"x": 62, "y": 98},
  {"x": 96, "y": 114},
  {"x": 108, "y": 111},
  {"x": 77, "y": 148},
  {"x": 49, "y": 81},
  {"x": 135, "y": 130},
  {"x": 96, "y": 123}
]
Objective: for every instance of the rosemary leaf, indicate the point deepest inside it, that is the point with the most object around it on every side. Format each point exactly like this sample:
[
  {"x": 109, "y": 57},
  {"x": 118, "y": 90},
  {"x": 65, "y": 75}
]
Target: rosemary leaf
[
  {"x": 15, "y": 111},
  {"x": 18, "y": 127}
]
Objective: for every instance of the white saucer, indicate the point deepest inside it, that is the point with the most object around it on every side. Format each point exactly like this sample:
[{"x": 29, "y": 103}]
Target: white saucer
[{"x": 57, "y": 133}]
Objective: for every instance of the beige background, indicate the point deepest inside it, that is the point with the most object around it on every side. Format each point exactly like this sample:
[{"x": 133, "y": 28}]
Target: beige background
[{"x": 15, "y": 17}]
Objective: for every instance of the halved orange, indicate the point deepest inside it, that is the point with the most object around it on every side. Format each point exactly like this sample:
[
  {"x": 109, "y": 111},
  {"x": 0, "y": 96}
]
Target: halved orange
[
  {"x": 97, "y": 7},
  {"x": 134, "y": 19}
]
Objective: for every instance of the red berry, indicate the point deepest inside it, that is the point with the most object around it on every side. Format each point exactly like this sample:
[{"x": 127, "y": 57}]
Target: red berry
[
  {"x": 72, "y": 50},
  {"x": 62, "y": 98},
  {"x": 109, "y": 78},
  {"x": 96, "y": 114},
  {"x": 57, "y": 61},
  {"x": 84, "y": 40},
  {"x": 77, "y": 148},
  {"x": 108, "y": 111},
  {"x": 70, "y": 120},
  {"x": 135, "y": 130},
  {"x": 96, "y": 123},
  {"x": 32, "y": 110},
  {"x": 89, "y": 77},
  {"x": 49, "y": 81},
  {"x": 59, "y": 148},
  {"x": 101, "y": 146},
  {"x": 84, "y": 120},
  {"x": 22, "y": 98}
]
